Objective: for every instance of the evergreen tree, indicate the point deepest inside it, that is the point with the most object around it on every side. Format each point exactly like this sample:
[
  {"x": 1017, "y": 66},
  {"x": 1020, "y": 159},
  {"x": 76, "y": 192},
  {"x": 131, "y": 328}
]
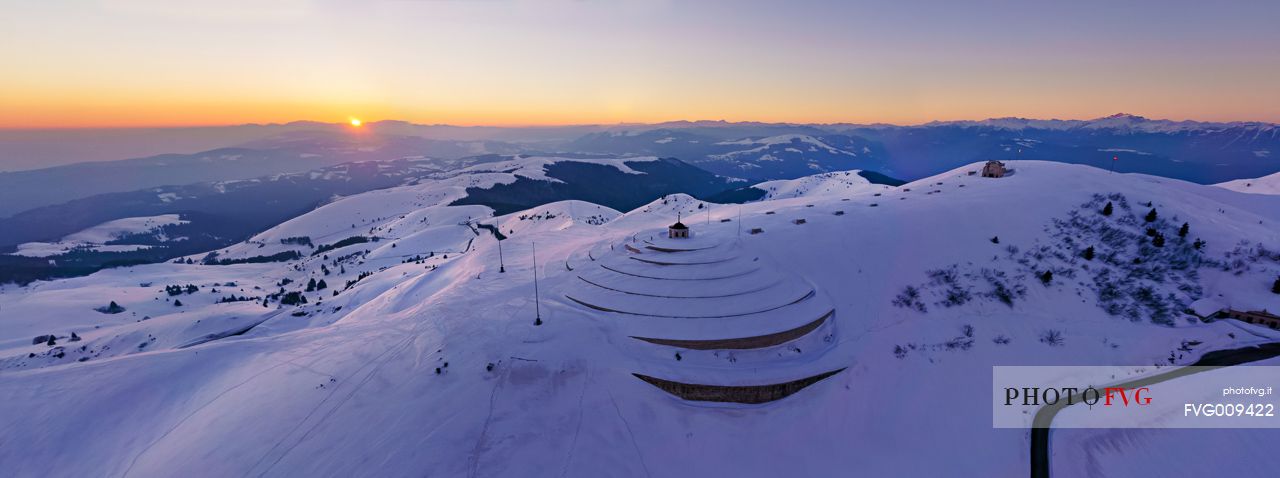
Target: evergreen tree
[
  {"x": 1275, "y": 287},
  {"x": 1151, "y": 216},
  {"x": 177, "y": 303},
  {"x": 1182, "y": 231},
  {"x": 293, "y": 298},
  {"x": 311, "y": 285},
  {"x": 51, "y": 342},
  {"x": 112, "y": 308},
  {"x": 1158, "y": 241},
  {"x": 321, "y": 285},
  {"x": 995, "y": 240},
  {"x": 1088, "y": 254},
  {"x": 1198, "y": 244},
  {"x": 1046, "y": 277}
]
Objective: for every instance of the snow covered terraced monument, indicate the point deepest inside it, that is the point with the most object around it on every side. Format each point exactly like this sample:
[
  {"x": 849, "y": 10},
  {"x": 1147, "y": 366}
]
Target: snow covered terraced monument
[{"x": 709, "y": 322}]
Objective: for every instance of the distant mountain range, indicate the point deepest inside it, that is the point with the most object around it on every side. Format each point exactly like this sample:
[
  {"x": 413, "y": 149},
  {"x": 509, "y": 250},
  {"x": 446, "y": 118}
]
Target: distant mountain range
[
  {"x": 289, "y": 152},
  {"x": 1201, "y": 152},
  {"x": 223, "y": 195},
  {"x": 1194, "y": 151}
]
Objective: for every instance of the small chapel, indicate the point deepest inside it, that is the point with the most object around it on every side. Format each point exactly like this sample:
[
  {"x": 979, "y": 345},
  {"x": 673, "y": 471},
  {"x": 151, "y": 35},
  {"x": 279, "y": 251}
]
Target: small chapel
[{"x": 678, "y": 230}]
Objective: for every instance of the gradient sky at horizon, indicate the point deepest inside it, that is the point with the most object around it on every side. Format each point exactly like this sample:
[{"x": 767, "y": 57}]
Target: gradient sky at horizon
[{"x": 116, "y": 63}]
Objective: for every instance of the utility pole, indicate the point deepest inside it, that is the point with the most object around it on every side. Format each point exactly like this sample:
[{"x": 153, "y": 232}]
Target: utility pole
[
  {"x": 739, "y": 222},
  {"x": 502, "y": 267},
  {"x": 537, "y": 302}
]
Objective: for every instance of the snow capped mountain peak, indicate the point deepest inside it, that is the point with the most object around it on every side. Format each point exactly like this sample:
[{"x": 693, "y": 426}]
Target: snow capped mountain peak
[
  {"x": 1121, "y": 122},
  {"x": 1124, "y": 116}
]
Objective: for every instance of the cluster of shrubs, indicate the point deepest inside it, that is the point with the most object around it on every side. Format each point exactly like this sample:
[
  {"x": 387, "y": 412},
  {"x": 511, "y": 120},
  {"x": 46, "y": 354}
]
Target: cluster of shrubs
[
  {"x": 353, "y": 282},
  {"x": 299, "y": 240},
  {"x": 179, "y": 290},
  {"x": 952, "y": 288},
  {"x": 293, "y": 298},
  {"x": 959, "y": 343},
  {"x": 343, "y": 243},
  {"x": 1141, "y": 264},
  {"x": 277, "y": 257},
  {"x": 52, "y": 339}
]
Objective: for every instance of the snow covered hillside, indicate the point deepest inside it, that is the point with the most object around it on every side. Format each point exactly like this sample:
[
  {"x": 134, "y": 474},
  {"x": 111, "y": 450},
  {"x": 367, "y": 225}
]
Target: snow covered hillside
[
  {"x": 841, "y": 182},
  {"x": 1269, "y": 184},
  {"x": 838, "y": 328},
  {"x": 97, "y": 237},
  {"x": 796, "y": 152}
]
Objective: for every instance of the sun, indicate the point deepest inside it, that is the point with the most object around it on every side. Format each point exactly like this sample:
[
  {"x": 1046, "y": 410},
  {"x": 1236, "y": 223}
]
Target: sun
[{"x": 356, "y": 122}]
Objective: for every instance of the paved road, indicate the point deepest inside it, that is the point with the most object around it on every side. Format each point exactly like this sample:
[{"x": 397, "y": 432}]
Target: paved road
[{"x": 1040, "y": 432}]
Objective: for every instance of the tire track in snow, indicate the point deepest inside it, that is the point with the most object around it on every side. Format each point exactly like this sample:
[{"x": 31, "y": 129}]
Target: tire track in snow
[
  {"x": 573, "y": 445},
  {"x": 473, "y": 462},
  {"x": 211, "y": 401},
  {"x": 631, "y": 434},
  {"x": 372, "y": 369}
]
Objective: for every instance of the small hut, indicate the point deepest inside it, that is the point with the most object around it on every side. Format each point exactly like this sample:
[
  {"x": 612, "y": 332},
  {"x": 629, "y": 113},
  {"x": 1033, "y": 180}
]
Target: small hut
[{"x": 994, "y": 169}]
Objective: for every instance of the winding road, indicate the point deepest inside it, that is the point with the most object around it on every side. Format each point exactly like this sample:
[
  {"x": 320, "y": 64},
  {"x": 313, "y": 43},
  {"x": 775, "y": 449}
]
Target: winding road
[{"x": 1040, "y": 430}]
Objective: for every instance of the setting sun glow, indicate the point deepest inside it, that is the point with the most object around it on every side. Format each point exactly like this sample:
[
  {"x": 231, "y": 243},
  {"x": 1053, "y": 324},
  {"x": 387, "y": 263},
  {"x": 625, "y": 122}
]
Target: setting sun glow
[
  {"x": 864, "y": 62},
  {"x": 356, "y": 122}
]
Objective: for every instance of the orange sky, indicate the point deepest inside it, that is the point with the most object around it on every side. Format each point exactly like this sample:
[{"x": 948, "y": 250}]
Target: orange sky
[{"x": 156, "y": 63}]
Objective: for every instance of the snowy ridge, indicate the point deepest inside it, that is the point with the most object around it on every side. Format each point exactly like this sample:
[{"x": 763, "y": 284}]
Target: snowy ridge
[
  {"x": 534, "y": 167},
  {"x": 784, "y": 139},
  {"x": 555, "y": 216},
  {"x": 806, "y": 142},
  {"x": 1120, "y": 121},
  {"x": 1269, "y": 184},
  {"x": 840, "y": 182},
  {"x": 407, "y": 209},
  {"x": 96, "y": 237}
]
